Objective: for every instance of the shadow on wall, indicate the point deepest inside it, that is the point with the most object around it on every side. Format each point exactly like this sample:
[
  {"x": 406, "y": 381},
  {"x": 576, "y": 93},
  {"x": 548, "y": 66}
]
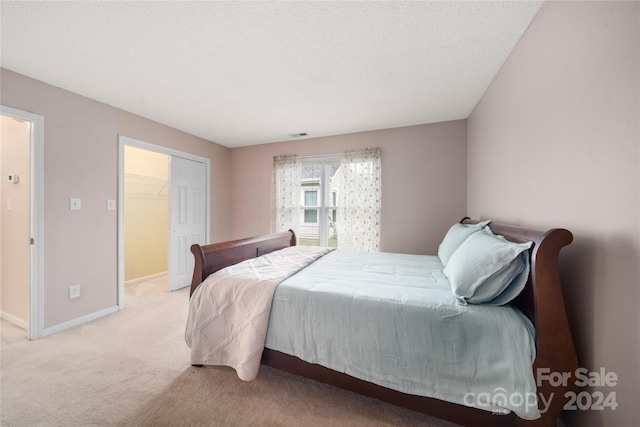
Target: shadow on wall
[
  {"x": 597, "y": 274},
  {"x": 576, "y": 267}
]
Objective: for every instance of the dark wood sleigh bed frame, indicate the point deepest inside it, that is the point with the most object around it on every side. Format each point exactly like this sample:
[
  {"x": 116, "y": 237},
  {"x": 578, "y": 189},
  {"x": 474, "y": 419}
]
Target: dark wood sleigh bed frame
[{"x": 541, "y": 302}]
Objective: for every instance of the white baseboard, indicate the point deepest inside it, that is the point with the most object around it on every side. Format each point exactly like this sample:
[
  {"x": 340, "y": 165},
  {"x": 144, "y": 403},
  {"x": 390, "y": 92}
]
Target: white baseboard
[
  {"x": 79, "y": 321},
  {"x": 20, "y": 323},
  {"x": 146, "y": 278}
]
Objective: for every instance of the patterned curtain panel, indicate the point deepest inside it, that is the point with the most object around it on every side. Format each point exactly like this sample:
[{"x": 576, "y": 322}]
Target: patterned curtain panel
[
  {"x": 359, "y": 200},
  {"x": 285, "y": 193}
]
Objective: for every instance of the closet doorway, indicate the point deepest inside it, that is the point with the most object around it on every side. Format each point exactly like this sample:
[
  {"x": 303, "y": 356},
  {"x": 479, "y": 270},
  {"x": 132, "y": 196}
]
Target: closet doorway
[
  {"x": 146, "y": 215},
  {"x": 163, "y": 209}
]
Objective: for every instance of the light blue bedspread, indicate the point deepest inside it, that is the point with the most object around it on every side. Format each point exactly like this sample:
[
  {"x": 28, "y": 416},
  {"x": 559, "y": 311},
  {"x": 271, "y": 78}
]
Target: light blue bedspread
[{"x": 392, "y": 319}]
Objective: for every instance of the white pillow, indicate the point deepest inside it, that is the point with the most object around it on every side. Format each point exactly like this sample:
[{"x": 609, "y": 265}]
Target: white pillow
[
  {"x": 457, "y": 234},
  {"x": 484, "y": 266}
]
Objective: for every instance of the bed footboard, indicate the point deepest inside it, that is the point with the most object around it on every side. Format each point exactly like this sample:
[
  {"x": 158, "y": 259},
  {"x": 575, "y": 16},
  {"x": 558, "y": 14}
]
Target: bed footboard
[{"x": 214, "y": 257}]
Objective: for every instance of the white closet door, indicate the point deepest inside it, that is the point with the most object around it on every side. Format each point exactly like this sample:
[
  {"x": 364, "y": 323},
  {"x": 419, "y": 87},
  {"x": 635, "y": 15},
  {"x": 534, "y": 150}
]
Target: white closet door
[{"x": 187, "y": 218}]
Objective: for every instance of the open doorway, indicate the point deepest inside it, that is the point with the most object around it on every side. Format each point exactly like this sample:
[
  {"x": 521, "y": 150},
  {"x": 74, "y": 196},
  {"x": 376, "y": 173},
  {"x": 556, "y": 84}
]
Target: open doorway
[
  {"x": 21, "y": 170},
  {"x": 15, "y": 141},
  {"x": 163, "y": 208}
]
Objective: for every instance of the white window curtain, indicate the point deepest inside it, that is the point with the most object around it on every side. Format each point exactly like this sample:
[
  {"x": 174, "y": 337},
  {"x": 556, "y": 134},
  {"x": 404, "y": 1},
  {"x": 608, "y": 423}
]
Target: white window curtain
[
  {"x": 285, "y": 193},
  {"x": 359, "y": 200}
]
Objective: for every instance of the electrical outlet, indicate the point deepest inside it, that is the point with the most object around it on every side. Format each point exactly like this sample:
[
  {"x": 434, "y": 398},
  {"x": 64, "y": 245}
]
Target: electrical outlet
[{"x": 74, "y": 291}]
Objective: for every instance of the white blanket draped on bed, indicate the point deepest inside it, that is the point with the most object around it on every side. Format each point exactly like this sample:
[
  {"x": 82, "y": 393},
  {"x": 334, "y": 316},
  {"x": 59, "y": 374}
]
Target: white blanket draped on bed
[{"x": 228, "y": 327}]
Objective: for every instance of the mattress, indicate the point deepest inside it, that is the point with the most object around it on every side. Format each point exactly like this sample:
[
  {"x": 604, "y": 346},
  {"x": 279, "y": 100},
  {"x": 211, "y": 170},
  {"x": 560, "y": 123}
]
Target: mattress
[{"x": 391, "y": 319}]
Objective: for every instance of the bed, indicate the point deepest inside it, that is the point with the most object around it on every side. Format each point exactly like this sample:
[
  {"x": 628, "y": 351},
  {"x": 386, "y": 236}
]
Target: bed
[{"x": 536, "y": 316}]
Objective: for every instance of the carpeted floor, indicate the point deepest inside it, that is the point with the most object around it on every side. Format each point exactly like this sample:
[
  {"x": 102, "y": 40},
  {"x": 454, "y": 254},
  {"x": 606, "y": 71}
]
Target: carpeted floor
[{"x": 132, "y": 368}]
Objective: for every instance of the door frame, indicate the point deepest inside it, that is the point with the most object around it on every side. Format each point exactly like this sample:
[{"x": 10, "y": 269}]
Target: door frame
[
  {"x": 125, "y": 140},
  {"x": 36, "y": 165}
]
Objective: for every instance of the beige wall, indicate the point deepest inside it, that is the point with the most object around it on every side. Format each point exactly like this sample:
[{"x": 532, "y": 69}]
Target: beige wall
[
  {"x": 554, "y": 142},
  {"x": 146, "y": 213},
  {"x": 15, "y": 140},
  {"x": 81, "y": 160},
  {"x": 423, "y": 181}
]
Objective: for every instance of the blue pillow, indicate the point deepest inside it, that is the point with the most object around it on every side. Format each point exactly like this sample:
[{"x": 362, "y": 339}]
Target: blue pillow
[
  {"x": 457, "y": 234},
  {"x": 485, "y": 266},
  {"x": 516, "y": 286}
]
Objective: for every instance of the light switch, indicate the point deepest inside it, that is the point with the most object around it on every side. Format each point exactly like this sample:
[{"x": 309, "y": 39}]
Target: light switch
[
  {"x": 75, "y": 204},
  {"x": 111, "y": 205}
]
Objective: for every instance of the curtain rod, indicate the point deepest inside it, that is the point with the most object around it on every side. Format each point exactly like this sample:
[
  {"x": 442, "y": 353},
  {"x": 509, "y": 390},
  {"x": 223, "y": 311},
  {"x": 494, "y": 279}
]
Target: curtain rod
[{"x": 320, "y": 157}]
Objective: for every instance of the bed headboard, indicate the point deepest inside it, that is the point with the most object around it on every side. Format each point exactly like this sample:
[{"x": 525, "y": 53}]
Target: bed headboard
[{"x": 544, "y": 263}]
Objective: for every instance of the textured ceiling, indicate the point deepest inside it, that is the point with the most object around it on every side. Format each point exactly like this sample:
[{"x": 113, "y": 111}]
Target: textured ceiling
[{"x": 243, "y": 73}]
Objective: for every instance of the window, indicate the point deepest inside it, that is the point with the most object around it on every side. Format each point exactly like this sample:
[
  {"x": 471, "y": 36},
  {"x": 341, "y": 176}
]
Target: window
[
  {"x": 329, "y": 200},
  {"x": 310, "y": 200},
  {"x": 318, "y": 191}
]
